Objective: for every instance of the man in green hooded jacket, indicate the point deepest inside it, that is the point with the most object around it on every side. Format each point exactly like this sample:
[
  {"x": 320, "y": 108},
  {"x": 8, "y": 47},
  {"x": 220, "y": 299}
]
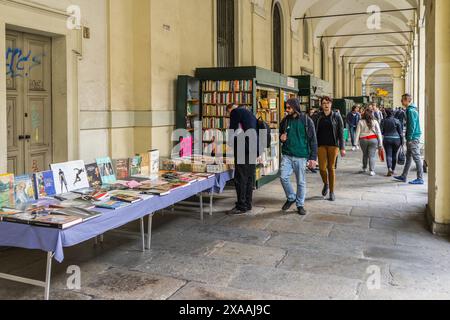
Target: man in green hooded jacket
[{"x": 413, "y": 135}]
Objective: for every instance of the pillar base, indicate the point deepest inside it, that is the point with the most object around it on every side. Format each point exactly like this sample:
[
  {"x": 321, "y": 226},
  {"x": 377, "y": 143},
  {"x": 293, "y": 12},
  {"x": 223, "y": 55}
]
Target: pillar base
[{"x": 438, "y": 229}]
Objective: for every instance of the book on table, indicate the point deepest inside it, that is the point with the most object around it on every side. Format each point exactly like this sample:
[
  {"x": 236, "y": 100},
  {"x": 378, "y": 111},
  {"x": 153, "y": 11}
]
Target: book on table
[
  {"x": 126, "y": 198},
  {"x": 24, "y": 189},
  {"x": 106, "y": 170},
  {"x": 93, "y": 174},
  {"x": 77, "y": 203},
  {"x": 6, "y": 190},
  {"x": 122, "y": 168},
  {"x": 44, "y": 219},
  {"x": 161, "y": 190},
  {"x": 83, "y": 213},
  {"x": 69, "y": 176},
  {"x": 112, "y": 205},
  {"x": 44, "y": 184}
]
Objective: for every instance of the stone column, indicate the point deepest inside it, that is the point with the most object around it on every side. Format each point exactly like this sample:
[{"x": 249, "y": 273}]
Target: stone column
[
  {"x": 398, "y": 89},
  {"x": 437, "y": 89}
]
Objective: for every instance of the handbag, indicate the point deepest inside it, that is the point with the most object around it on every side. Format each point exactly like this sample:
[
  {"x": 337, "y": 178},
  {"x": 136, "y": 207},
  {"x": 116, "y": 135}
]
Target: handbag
[
  {"x": 401, "y": 157},
  {"x": 381, "y": 153}
]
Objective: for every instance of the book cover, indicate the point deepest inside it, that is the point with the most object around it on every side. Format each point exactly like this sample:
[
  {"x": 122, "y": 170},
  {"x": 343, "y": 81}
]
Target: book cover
[
  {"x": 23, "y": 189},
  {"x": 112, "y": 205},
  {"x": 93, "y": 174},
  {"x": 69, "y": 176},
  {"x": 135, "y": 166},
  {"x": 106, "y": 170},
  {"x": 154, "y": 162},
  {"x": 76, "y": 211},
  {"x": 145, "y": 164},
  {"x": 44, "y": 184},
  {"x": 44, "y": 219},
  {"x": 77, "y": 203},
  {"x": 161, "y": 190},
  {"x": 7, "y": 190},
  {"x": 122, "y": 167},
  {"x": 126, "y": 198}
]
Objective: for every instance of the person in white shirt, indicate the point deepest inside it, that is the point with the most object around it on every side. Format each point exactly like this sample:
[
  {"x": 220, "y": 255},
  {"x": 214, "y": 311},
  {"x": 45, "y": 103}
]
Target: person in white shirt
[{"x": 370, "y": 139}]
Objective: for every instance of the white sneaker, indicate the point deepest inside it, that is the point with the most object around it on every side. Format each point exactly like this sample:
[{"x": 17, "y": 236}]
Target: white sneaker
[
  {"x": 372, "y": 174},
  {"x": 357, "y": 147},
  {"x": 363, "y": 171},
  {"x": 354, "y": 149}
]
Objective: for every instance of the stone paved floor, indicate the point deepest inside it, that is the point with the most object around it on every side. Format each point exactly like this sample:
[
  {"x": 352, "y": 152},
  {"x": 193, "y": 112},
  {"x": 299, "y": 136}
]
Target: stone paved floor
[{"x": 375, "y": 223}]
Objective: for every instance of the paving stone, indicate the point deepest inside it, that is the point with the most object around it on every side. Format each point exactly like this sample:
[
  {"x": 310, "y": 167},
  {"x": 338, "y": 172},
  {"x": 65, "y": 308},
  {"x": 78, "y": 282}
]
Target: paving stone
[
  {"x": 402, "y": 254},
  {"x": 411, "y": 225},
  {"x": 246, "y": 254},
  {"x": 259, "y": 222},
  {"x": 370, "y": 236},
  {"x": 119, "y": 284},
  {"x": 339, "y": 219},
  {"x": 201, "y": 269},
  {"x": 297, "y": 285},
  {"x": 384, "y": 197},
  {"x": 292, "y": 241},
  {"x": 377, "y": 212},
  {"x": 397, "y": 294},
  {"x": 423, "y": 241},
  {"x": 297, "y": 226},
  {"x": 200, "y": 292},
  {"x": 318, "y": 262}
]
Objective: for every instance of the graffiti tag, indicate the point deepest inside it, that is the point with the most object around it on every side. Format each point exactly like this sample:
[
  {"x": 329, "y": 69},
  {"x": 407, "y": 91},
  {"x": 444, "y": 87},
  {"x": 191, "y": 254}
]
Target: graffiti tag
[{"x": 19, "y": 64}]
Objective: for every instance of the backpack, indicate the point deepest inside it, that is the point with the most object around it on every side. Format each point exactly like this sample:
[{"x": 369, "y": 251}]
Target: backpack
[{"x": 262, "y": 125}]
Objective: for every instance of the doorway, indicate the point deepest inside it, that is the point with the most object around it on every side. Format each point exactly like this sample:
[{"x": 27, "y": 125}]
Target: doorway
[{"x": 29, "y": 102}]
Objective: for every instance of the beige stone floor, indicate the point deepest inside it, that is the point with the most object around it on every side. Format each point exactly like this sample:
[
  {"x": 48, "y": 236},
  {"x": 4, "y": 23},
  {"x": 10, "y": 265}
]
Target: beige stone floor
[{"x": 375, "y": 224}]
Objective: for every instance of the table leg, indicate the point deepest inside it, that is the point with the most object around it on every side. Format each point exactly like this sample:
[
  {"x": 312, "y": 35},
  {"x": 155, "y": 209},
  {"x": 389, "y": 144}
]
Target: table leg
[
  {"x": 143, "y": 234},
  {"x": 48, "y": 275},
  {"x": 201, "y": 207},
  {"x": 95, "y": 240},
  {"x": 211, "y": 196},
  {"x": 101, "y": 238},
  {"x": 149, "y": 232}
]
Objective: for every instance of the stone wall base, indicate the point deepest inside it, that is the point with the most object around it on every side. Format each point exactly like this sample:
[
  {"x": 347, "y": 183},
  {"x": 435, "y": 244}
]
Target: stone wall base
[{"x": 438, "y": 229}]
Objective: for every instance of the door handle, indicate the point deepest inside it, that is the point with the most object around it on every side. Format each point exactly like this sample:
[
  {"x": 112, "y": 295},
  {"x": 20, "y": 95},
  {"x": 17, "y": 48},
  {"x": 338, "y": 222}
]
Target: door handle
[
  {"x": 21, "y": 137},
  {"x": 27, "y": 137}
]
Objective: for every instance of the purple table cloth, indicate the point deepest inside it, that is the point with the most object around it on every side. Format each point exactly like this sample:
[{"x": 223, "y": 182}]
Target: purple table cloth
[
  {"x": 221, "y": 181},
  {"x": 55, "y": 240}
]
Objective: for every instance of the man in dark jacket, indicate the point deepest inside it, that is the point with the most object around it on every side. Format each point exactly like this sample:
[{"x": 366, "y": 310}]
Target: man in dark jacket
[
  {"x": 298, "y": 135},
  {"x": 353, "y": 119},
  {"x": 243, "y": 125}
]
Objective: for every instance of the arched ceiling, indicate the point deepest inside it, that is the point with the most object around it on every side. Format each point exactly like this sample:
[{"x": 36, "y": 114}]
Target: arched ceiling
[{"x": 357, "y": 24}]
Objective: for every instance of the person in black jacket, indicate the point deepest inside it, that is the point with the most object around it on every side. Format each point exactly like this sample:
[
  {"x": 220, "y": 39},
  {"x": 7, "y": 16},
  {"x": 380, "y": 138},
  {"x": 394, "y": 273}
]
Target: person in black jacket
[
  {"x": 243, "y": 125},
  {"x": 392, "y": 131},
  {"x": 353, "y": 119},
  {"x": 299, "y": 150},
  {"x": 330, "y": 139}
]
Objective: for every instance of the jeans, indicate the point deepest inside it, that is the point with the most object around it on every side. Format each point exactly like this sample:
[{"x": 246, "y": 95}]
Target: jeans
[
  {"x": 352, "y": 131},
  {"x": 297, "y": 166},
  {"x": 243, "y": 179},
  {"x": 413, "y": 153},
  {"x": 369, "y": 149},
  {"x": 327, "y": 163},
  {"x": 391, "y": 146}
]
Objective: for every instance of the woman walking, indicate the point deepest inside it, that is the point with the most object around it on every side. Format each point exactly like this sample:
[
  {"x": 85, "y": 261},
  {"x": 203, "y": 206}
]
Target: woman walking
[
  {"x": 392, "y": 131},
  {"x": 370, "y": 140},
  {"x": 330, "y": 138}
]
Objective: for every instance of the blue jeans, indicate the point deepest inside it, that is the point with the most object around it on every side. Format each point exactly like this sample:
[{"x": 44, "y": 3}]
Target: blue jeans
[
  {"x": 352, "y": 131},
  {"x": 297, "y": 166}
]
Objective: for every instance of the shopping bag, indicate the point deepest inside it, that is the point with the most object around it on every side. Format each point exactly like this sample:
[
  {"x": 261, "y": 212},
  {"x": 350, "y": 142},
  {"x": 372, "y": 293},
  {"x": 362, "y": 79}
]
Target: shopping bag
[
  {"x": 401, "y": 157},
  {"x": 381, "y": 154}
]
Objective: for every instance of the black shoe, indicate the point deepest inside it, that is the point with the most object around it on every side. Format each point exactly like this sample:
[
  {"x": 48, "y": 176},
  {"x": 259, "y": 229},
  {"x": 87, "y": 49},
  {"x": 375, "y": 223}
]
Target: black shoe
[
  {"x": 236, "y": 212},
  {"x": 325, "y": 190},
  {"x": 332, "y": 197},
  {"x": 288, "y": 205},
  {"x": 301, "y": 211}
]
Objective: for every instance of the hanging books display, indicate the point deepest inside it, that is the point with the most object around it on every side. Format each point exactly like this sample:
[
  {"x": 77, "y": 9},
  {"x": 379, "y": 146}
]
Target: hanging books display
[
  {"x": 6, "y": 190},
  {"x": 69, "y": 176},
  {"x": 135, "y": 166}
]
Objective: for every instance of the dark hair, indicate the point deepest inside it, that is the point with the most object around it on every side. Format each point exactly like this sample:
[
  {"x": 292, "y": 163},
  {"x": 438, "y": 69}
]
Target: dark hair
[
  {"x": 406, "y": 96},
  {"x": 354, "y": 108},
  {"x": 389, "y": 112},
  {"x": 369, "y": 118},
  {"x": 326, "y": 98}
]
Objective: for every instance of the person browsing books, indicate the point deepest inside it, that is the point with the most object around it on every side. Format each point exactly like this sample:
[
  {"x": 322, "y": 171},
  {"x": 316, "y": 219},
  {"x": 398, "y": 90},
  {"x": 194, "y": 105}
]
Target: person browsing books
[
  {"x": 243, "y": 134},
  {"x": 299, "y": 150}
]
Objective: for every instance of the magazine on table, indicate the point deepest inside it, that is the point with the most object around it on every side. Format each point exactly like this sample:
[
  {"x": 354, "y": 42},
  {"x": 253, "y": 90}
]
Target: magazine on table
[
  {"x": 44, "y": 218},
  {"x": 44, "y": 184},
  {"x": 24, "y": 189},
  {"x": 6, "y": 190},
  {"x": 126, "y": 198}
]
